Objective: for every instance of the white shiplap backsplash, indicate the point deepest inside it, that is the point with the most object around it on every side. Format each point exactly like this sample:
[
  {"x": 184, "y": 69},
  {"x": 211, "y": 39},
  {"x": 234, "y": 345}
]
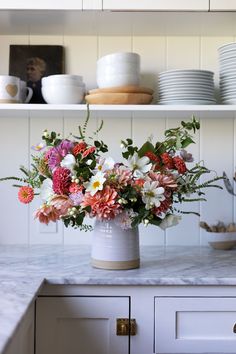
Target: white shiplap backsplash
[{"x": 215, "y": 144}]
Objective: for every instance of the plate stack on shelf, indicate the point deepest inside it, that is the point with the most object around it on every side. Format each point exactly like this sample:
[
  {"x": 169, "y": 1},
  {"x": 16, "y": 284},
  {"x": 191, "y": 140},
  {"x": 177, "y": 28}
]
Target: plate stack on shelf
[
  {"x": 186, "y": 87},
  {"x": 227, "y": 58}
]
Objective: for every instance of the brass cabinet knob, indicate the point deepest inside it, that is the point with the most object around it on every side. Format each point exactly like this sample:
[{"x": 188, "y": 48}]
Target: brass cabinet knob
[
  {"x": 234, "y": 328},
  {"x": 125, "y": 327}
]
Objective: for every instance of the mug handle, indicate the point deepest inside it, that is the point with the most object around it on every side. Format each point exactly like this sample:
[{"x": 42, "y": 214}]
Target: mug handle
[{"x": 29, "y": 95}]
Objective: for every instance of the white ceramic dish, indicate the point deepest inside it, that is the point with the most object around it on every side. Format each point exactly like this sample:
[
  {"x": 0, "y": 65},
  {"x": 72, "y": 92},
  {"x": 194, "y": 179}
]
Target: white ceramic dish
[
  {"x": 187, "y": 102},
  {"x": 118, "y": 80},
  {"x": 63, "y": 94},
  {"x": 187, "y": 72},
  {"x": 222, "y": 240},
  {"x": 187, "y": 80},
  {"x": 118, "y": 69},
  {"x": 185, "y": 95},
  {"x": 120, "y": 56},
  {"x": 227, "y": 47},
  {"x": 62, "y": 78}
]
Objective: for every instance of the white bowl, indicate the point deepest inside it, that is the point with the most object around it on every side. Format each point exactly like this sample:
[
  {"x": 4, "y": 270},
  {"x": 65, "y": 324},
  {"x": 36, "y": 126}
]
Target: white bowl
[
  {"x": 62, "y": 79},
  {"x": 117, "y": 80},
  {"x": 63, "y": 94},
  {"x": 118, "y": 69},
  {"x": 119, "y": 57}
]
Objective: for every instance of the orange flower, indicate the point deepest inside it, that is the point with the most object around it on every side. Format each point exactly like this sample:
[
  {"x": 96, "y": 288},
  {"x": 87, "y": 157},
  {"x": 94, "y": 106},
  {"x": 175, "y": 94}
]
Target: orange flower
[
  {"x": 103, "y": 203},
  {"x": 26, "y": 194},
  {"x": 47, "y": 213},
  {"x": 79, "y": 148}
]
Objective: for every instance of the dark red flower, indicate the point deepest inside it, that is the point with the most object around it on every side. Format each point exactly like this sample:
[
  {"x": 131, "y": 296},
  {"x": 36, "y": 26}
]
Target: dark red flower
[
  {"x": 179, "y": 164},
  {"x": 79, "y": 148},
  {"x": 167, "y": 160},
  {"x": 61, "y": 180}
]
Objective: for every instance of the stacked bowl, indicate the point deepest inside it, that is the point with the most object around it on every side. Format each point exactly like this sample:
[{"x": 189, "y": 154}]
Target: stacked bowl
[
  {"x": 227, "y": 58},
  {"x": 186, "y": 87},
  {"x": 63, "y": 89},
  {"x": 118, "y": 78},
  {"x": 118, "y": 69}
]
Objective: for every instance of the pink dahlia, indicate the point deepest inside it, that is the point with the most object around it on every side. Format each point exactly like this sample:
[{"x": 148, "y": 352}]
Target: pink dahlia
[
  {"x": 47, "y": 213},
  {"x": 62, "y": 203},
  {"x": 75, "y": 188},
  {"x": 165, "y": 181},
  {"x": 25, "y": 194},
  {"x": 61, "y": 180},
  {"x": 164, "y": 206},
  {"x": 103, "y": 204},
  {"x": 119, "y": 177}
]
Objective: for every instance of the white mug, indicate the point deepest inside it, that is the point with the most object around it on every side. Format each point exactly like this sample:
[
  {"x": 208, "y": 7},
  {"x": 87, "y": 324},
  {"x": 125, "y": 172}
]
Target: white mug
[
  {"x": 9, "y": 89},
  {"x": 26, "y": 92}
]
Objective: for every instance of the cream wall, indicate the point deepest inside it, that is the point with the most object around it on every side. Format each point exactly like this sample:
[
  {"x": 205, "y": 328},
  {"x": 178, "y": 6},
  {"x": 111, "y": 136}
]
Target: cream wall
[{"x": 215, "y": 142}]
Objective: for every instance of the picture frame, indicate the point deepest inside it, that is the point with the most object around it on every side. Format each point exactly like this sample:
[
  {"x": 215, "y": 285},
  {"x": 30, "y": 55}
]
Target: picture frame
[{"x": 32, "y": 62}]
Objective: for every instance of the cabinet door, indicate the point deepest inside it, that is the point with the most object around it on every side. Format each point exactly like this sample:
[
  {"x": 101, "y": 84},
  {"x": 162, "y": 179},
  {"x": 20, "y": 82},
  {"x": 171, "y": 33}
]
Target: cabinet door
[
  {"x": 162, "y": 5},
  {"x": 42, "y": 4},
  {"x": 195, "y": 325},
  {"x": 222, "y": 5},
  {"x": 92, "y": 4},
  {"x": 80, "y": 325}
]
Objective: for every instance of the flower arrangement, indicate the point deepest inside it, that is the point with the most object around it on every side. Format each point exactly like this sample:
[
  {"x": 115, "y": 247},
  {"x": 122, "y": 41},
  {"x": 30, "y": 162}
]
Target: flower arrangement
[{"x": 75, "y": 179}]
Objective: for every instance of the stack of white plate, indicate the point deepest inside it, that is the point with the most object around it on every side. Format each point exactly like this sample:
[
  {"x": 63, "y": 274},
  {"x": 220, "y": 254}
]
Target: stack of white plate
[
  {"x": 227, "y": 58},
  {"x": 186, "y": 87}
]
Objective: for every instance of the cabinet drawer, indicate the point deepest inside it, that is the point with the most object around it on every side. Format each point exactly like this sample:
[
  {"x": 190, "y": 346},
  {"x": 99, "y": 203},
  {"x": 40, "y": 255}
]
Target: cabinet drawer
[
  {"x": 161, "y": 5},
  {"x": 195, "y": 325}
]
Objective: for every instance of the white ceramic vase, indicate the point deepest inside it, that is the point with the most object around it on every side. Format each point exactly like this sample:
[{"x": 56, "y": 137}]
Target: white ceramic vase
[{"x": 114, "y": 248}]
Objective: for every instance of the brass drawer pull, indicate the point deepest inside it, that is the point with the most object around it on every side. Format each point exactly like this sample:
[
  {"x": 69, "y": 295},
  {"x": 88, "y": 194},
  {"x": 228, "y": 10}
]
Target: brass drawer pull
[
  {"x": 125, "y": 327},
  {"x": 234, "y": 328}
]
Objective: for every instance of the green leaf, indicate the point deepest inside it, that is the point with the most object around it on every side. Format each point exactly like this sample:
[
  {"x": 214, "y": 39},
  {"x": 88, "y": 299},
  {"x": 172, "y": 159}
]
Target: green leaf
[
  {"x": 186, "y": 142},
  {"x": 146, "y": 148}
]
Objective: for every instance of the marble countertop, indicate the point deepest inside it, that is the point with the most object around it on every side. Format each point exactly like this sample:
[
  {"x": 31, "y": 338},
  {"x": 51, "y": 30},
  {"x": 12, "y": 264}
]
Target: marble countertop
[{"x": 23, "y": 269}]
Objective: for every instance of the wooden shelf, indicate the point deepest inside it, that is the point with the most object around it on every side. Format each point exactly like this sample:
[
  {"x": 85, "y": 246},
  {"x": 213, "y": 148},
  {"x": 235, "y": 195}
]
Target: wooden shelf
[{"x": 213, "y": 111}]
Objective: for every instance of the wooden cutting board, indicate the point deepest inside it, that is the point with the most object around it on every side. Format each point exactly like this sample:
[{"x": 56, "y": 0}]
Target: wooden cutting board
[
  {"x": 123, "y": 89},
  {"x": 118, "y": 98}
]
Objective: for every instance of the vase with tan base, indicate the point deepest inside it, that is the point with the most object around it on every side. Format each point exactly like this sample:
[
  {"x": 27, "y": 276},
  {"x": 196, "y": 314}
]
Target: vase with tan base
[{"x": 114, "y": 248}]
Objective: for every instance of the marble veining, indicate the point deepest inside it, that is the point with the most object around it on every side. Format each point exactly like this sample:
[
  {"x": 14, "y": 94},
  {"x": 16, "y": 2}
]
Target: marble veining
[{"x": 23, "y": 269}]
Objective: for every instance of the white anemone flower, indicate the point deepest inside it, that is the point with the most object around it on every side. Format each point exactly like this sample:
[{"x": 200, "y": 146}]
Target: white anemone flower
[
  {"x": 139, "y": 165},
  {"x": 46, "y": 191},
  {"x": 68, "y": 162},
  {"x": 105, "y": 164},
  {"x": 152, "y": 195},
  {"x": 169, "y": 221},
  {"x": 95, "y": 183}
]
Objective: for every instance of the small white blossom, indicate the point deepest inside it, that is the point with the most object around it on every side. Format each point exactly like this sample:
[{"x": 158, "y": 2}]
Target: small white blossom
[
  {"x": 104, "y": 164},
  {"x": 95, "y": 183},
  {"x": 139, "y": 165},
  {"x": 68, "y": 162},
  {"x": 152, "y": 195},
  {"x": 169, "y": 221},
  {"x": 46, "y": 191}
]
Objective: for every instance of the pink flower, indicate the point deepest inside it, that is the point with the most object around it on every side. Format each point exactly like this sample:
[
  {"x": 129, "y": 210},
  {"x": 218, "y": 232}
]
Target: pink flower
[
  {"x": 88, "y": 151},
  {"x": 103, "y": 204},
  {"x": 119, "y": 177},
  {"x": 26, "y": 194},
  {"x": 165, "y": 181},
  {"x": 62, "y": 203},
  {"x": 46, "y": 214},
  {"x": 61, "y": 180}
]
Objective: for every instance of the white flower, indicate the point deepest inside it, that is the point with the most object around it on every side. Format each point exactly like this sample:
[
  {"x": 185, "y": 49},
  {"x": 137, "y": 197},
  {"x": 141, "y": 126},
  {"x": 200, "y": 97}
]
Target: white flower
[
  {"x": 95, "y": 183},
  {"x": 68, "y": 162},
  {"x": 104, "y": 164},
  {"x": 139, "y": 165},
  {"x": 152, "y": 195},
  {"x": 46, "y": 191},
  {"x": 169, "y": 220}
]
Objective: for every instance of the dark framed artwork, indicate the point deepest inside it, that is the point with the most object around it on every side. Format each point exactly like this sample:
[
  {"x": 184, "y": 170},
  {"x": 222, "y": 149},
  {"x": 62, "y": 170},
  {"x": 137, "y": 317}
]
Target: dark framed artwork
[{"x": 32, "y": 62}]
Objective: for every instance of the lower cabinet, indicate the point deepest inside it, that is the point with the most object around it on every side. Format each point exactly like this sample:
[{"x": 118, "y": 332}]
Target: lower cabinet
[
  {"x": 22, "y": 342},
  {"x": 169, "y": 320},
  {"x": 195, "y": 325},
  {"x": 80, "y": 325}
]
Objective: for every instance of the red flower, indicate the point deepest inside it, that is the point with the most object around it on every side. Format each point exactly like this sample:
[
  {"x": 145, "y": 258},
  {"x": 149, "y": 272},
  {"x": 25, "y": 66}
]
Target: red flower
[
  {"x": 61, "y": 180},
  {"x": 79, "y": 148},
  {"x": 75, "y": 188},
  {"x": 26, "y": 194},
  {"x": 167, "y": 160},
  {"x": 88, "y": 151},
  {"x": 179, "y": 164},
  {"x": 153, "y": 157}
]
